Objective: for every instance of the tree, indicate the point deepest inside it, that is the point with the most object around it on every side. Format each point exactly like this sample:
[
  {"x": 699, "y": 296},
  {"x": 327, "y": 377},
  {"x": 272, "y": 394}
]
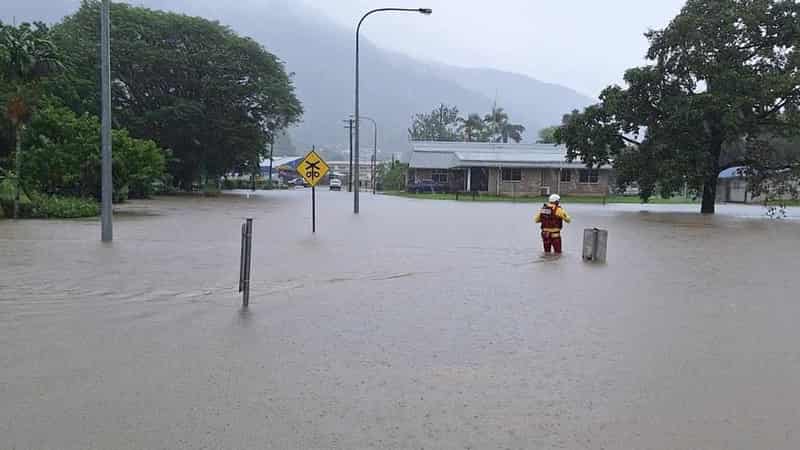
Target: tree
[
  {"x": 472, "y": 128},
  {"x": 441, "y": 124},
  {"x": 26, "y": 56},
  {"x": 63, "y": 156},
  {"x": 499, "y": 127},
  {"x": 391, "y": 176},
  {"x": 724, "y": 74},
  {"x": 547, "y": 135},
  {"x": 191, "y": 85}
]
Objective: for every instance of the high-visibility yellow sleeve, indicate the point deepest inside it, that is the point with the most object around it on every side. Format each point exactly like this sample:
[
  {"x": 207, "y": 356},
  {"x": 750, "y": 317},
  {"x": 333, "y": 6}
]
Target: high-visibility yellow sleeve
[{"x": 560, "y": 212}]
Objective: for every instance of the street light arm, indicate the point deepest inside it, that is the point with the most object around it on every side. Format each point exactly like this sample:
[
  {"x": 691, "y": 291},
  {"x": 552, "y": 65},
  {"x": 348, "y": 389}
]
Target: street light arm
[
  {"x": 419, "y": 10},
  {"x": 357, "y": 120}
]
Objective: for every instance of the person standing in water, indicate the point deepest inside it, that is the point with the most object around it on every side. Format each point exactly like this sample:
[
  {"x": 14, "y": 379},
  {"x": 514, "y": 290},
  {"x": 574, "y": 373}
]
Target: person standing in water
[{"x": 552, "y": 217}]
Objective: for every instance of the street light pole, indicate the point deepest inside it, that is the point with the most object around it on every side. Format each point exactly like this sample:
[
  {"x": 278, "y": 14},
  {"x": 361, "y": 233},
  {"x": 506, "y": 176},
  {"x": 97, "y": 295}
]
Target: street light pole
[
  {"x": 426, "y": 11},
  {"x": 106, "y": 234}
]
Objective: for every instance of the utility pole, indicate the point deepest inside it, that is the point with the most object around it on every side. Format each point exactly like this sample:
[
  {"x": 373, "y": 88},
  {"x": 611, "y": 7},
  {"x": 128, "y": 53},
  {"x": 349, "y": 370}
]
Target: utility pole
[
  {"x": 105, "y": 67},
  {"x": 271, "y": 145},
  {"x": 350, "y": 173}
]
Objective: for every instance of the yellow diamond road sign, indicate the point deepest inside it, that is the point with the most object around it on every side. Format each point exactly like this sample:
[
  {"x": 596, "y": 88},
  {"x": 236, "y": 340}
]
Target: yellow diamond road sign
[{"x": 312, "y": 168}]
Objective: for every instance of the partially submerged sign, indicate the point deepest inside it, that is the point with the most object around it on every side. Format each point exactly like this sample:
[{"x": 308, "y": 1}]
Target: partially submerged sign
[{"x": 312, "y": 168}]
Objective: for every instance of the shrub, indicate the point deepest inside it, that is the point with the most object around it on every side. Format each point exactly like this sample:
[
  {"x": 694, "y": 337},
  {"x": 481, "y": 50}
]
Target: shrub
[
  {"x": 44, "y": 206},
  {"x": 61, "y": 156},
  {"x": 41, "y": 206},
  {"x": 7, "y": 193}
]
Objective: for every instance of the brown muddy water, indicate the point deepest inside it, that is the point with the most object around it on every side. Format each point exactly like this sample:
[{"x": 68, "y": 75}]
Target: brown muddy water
[{"x": 418, "y": 324}]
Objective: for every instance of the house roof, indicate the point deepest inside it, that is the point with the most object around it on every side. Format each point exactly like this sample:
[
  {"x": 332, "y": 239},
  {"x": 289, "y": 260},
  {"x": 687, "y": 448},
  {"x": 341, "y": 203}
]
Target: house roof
[{"x": 449, "y": 155}]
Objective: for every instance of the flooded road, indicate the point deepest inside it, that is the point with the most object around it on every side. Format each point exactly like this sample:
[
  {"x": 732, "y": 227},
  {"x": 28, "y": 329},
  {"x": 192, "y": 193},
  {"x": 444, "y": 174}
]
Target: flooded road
[{"x": 418, "y": 324}]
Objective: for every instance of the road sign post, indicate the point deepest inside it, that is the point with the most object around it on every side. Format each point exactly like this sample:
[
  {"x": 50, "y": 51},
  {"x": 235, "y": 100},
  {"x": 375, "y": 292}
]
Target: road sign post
[{"x": 313, "y": 169}]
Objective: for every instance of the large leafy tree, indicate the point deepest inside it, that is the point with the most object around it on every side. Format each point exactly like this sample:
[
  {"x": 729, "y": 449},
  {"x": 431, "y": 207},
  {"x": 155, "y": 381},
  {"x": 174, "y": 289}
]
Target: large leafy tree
[
  {"x": 547, "y": 135},
  {"x": 191, "y": 85},
  {"x": 27, "y": 55},
  {"x": 441, "y": 124},
  {"x": 724, "y": 75}
]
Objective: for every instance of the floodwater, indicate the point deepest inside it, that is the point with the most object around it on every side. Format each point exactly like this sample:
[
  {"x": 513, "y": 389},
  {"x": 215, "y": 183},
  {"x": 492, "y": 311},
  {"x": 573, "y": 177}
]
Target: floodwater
[{"x": 417, "y": 324}]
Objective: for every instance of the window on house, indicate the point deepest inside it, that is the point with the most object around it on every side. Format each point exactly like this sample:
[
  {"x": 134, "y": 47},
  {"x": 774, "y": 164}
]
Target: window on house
[
  {"x": 512, "y": 174},
  {"x": 439, "y": 176},
  {"x": 589, "y": 176},
  {"x": 566, "y": 176}
]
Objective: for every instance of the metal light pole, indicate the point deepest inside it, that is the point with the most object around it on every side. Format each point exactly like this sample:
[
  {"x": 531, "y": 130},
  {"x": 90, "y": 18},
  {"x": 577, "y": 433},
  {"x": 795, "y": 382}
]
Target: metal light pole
[
  {"x": 105, "y": 128},
  {"x": 425, "y": 11},
  {"x": 374, "y": 149}
]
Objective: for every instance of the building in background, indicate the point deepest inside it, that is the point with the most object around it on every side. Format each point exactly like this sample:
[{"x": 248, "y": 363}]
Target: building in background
[{"x": 505, "y": 169}]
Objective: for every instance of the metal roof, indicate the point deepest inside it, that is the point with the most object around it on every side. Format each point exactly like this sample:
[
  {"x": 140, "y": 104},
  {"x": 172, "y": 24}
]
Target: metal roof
[
  {"x": 433, "y": 160},
  {"x": 449, "y": 155}
]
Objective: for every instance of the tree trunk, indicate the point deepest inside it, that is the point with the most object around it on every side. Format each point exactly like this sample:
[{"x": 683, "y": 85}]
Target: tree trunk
[
  {"x": 712, "y": 177},
  {"x": 709, "y": 194},
  {"x": 18, "y": 161}
]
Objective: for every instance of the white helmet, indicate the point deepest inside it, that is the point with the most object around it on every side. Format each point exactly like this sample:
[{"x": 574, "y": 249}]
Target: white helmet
[{"x": 555, "y": 198}]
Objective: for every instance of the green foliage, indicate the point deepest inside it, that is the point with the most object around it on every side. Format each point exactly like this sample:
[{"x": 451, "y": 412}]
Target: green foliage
[
  {"x": 8, "y": 191},
  {"x": 189, "y": 84},
  {"x": 62, "y": 156},
  {"x": 441, "y": 124},
  {"x": 392, "y": 176},
  {"x": 499, "y": 127},
  {"x": 547, "y": 135},
  {"x": 27, "y": 55},
  {"x": 472, "y": 128},
  {"x": 724, "y": 75},
  {"x": 444, "y": 124},
  {"x": 44, "y": 206}
]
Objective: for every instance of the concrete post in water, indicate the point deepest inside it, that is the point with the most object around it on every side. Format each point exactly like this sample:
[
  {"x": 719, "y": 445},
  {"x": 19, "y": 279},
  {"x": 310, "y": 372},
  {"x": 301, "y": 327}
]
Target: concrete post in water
[
  {"x": 244, "y": 261},
  {"x": 595, "y": 242},
  {"x": 105, "y": 183}
]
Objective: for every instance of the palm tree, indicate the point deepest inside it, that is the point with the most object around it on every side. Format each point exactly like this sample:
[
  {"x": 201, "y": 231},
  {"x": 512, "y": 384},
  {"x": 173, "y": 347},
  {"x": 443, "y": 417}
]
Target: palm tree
[
  {"x": 26, "y": 56},
  {"x": 500, "y": 128},
  {"x": 512, "y": 131},
  {"x": 472, "y": 128}
]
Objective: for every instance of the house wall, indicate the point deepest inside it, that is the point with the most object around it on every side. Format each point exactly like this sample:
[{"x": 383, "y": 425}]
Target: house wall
[
  {"x": 531, "y": 184},
  {"x": 534, "y": 180},
  {"x": 573, "y": 187}
]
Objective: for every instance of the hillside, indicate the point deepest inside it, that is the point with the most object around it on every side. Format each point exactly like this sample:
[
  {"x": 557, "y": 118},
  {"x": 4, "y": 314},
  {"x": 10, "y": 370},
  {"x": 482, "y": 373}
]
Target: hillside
[{"x": 393, "y": 88}]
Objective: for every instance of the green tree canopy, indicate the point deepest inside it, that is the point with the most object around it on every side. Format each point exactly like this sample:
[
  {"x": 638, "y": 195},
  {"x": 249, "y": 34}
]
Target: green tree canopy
[
  {"x": 499, "y": 127},
  {"x": 547, "y": 135},
  {"x": 472, "y": 128},
  {"x": 441, "y": 124},
  {"x": 63, "y": 156},
  {"x": 27, "y": 55},
  {"x": 724, "y": 74},
  {"x": 191, "y": 85},
  {"x": 444, "y": 124}
]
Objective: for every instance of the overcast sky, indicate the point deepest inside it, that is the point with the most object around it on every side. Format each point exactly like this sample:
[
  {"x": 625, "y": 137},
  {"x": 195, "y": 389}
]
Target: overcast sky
[{"x": 583, "y": 44}]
